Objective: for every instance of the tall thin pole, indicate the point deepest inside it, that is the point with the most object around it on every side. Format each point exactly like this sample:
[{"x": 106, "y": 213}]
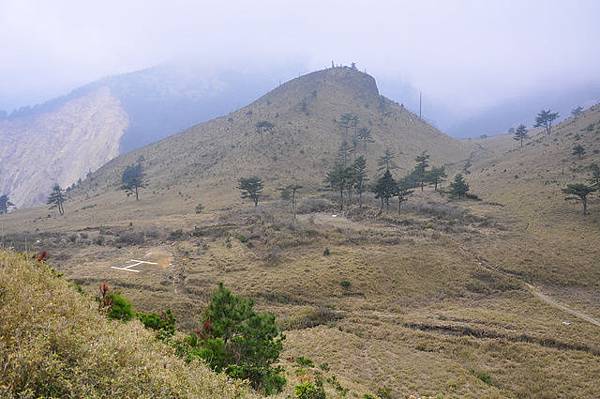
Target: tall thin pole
[{"x": 420, "y": 102}]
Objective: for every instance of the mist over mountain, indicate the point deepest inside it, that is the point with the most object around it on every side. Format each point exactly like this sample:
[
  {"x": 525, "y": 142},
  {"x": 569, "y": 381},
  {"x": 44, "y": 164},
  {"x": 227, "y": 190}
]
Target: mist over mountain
[{"x": 510, "y": 113}]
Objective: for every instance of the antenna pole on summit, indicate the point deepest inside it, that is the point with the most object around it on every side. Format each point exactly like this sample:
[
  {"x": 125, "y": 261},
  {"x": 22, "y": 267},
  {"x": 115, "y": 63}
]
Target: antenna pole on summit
[{"x": 420, "y": 102}]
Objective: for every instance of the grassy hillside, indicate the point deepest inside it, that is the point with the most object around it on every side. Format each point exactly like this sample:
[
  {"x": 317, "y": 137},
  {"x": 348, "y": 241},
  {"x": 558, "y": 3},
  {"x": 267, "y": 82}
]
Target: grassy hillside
[
  {"x": 54, "y": 343},
  {"x": 449, "y": 298}
]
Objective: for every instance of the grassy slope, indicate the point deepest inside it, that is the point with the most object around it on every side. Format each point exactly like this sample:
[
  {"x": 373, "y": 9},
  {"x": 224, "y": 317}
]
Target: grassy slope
[
  {"x": 54, "y": 343},
  {"x": 417, "y": 289},
  {"x": 554, "y": 244}
]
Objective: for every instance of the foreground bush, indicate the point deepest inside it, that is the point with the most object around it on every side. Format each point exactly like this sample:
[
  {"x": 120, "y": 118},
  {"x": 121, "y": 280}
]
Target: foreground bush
[
  {"x": 55, "y": 344},
  {"x": 237, "y": 340}
]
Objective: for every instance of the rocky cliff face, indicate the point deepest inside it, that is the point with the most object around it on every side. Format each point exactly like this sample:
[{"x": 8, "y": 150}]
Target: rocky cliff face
[{"x": 59, "y": 146}]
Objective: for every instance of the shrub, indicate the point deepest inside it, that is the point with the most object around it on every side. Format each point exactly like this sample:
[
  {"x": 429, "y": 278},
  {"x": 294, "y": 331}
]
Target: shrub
[
  {"x": 163, "y": 324},
  {"x": 327, "y": 252},
  {"x": 119, "y": 307},
  {"x": 199, "y": 208},
  {"x": 309, "y": 390},
  {"x": 131, "y": 238},
  {"x": 304, "y": 362},
  {"x": 384, "y": 393},
  {"x": 483, "y": 376},
  {"x": 310, "y": 205},
  {"x": 345, "y": 284},
  {"x": 238, "y": 341}
]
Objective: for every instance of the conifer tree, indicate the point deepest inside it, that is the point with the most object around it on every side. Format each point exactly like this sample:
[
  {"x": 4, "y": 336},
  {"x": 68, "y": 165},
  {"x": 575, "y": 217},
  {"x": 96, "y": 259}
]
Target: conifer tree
[
  {"x": 577, "y": 111},
  {"x": 344, "y": 152},
  {"x": 595, "y": 178},
  {"x": 578, "y": 151},
  {"x": 133, "y": 179},
  {"x": 339, "y": 178},
  {"x": 364, "y": 135},
  {"x": 56, "y": 199},
  {"x": 5, "y": 204},
  {"x": 385, "y": 188},
  {"x": 420, "y": 171},
  {"x": 251, "y": 187},
  {"x": 289, "y": 193},
  {"x": 237, "y": 340},
  {"x": 346, "y": 122},
  {"x": 403, "y": 191},
  {"x": 386, "y": 162},
  {"x": 459, "y": 188},
  {"x": 360, "y": 177},
  {"x": 579, "y": 192},
  {"x": 436, "y": 175},
  {"x": 264, "y": 127},
  {"x": 544, "y": 119},
  {"x": 520, "y": 134}
]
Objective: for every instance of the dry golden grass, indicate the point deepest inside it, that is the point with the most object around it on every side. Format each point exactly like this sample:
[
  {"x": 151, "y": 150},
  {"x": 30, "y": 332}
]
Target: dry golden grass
[
  {"x": 437, "y": 302},
  {"x": 54, "y": 343}
]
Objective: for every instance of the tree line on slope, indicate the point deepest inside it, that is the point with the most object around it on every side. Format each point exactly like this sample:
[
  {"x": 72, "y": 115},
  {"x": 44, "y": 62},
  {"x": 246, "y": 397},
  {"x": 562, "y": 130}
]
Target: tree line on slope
[{"x": 576, "y": 191}]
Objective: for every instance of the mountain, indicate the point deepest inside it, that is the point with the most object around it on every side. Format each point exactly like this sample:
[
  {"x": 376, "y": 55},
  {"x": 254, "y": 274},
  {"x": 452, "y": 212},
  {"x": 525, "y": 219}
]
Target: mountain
[
  {"x": 511, "y": 113},
  {"x": 432, "y": 297},
  {"x": 301, "y": 145},
  {"x": 60, "y": 146},
  {"x": 91, "y": 125}
]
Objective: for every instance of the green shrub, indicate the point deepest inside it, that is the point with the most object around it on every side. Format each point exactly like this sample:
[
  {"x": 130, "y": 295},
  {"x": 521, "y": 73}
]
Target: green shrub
[
  {"x": 308, "y": 390},
  {"x": 304, "y": 361},
  {"x": 327, "y": 252},
  {"x": 384, "y": 393},
  {"x": 483, "y": 376},
  {"x": 238, "y": 341},
  {"x": 163, "y": 324},
  {"x": 119, "y": 307},
  {"x": 345, "y": 284}
]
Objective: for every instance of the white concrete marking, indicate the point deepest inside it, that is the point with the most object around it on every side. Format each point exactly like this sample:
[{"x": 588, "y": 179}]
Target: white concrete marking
[{"x": 136, "y": 262}]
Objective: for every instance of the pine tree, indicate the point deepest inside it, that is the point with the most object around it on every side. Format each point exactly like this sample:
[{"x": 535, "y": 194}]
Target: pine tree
[
  {"x": 360, "y": 177},
  {"x": 595, "y": 179},
  {"x": 578, "y": 151},
  {"x": 577, "y": 111},
  {"x": 579, "y": 192},
  {"x": 133, "y": 179},
  {"x": 251, "y": 187},
  {"x": 386, "y": 162},
  {"x": 264, "y": 127},
  {"x": 459, "y": 188},
  {"x": 544, "y": 119},
  {"x": 346, "y": 122},
  {"x": 520, "y": 134},
  {"x": 289, "y": 193},
  {"x": 385, "y": 188},
  {"x": 364, "y": 135},
  {"x": 56, "y": 199},
  {"x": 5, "y": 204},
  {"x": 339, "y": 179},
  {"x": 343, "y": 155},
  {"x": 420, "y": 171},
  {"x": 237, "y": 340},
  {"x": 436, "y": 175},
  {"x": 403, "y": 191}
]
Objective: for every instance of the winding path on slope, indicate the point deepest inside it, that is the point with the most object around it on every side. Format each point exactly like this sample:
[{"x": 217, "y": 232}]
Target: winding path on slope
[
  {"x": 535, "y": 291},
  {"x": 342, "y": 221}
]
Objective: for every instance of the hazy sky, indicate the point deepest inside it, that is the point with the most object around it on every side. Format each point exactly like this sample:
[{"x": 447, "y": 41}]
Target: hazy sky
[{"x": 466, "y": 54}]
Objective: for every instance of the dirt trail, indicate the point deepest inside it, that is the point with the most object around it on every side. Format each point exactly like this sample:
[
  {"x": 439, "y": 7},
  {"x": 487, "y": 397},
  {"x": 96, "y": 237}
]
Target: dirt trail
[
  {"x": 341, "y": 221},
  {"x": 535, "y": 291},
  {"x": 555, "y": 304}
]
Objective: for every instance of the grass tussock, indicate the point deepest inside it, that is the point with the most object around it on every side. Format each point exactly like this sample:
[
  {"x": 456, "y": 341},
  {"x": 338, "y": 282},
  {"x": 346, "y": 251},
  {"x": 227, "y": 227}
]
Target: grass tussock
[{"x": 54, "y": 343}]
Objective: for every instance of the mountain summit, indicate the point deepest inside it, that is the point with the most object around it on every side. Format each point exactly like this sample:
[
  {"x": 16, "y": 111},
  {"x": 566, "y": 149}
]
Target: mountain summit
[{"x": 292, "y": 133}]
